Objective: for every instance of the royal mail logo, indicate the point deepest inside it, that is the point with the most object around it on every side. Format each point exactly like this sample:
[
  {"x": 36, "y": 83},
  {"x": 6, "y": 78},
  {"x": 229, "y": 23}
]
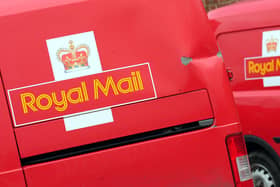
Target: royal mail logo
[
  {"x": 74, "y": 58},
  {"x": 271, "y": 44},
  {"x": 58, "y": 99},
  {"x": 260, "y": 67}
]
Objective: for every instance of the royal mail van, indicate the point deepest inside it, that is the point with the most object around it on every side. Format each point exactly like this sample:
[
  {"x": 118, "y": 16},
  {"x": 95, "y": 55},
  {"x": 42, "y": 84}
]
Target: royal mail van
[
  {"x": 115, "y": 93},
  {"x": 248, "y": 35}
]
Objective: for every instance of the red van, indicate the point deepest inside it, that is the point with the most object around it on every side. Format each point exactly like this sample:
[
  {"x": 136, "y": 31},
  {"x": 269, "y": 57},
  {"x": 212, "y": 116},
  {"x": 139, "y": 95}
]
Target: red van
[
  {"x": 248, "y": 35},
  {"x": 115, "y": 93}
]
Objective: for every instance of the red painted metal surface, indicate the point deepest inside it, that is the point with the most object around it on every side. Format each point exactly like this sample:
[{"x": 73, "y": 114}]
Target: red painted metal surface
[
  {"x": 10, "y": 171},
  {"x": 163, "y": 162},
  {"x": 256, "y": 104},
  {"x": 258, "y": 13},
  {"x": 123, "y": 37},
  {"x": 126, "y": 33},
  {"x": 239, "y": 38},
  {"x": 13, "y": 178},
  {"x": 130, "y": 119}
]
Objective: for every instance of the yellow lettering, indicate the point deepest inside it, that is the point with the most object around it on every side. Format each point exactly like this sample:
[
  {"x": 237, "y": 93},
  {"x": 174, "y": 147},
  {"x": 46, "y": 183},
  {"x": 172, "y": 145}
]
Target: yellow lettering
[
  {"x": 140, "y": 82},
  {"x": 29, "y": 104},
  {"x": 129, "y": 84},
  {"x": 264, "y": 67},
  {"x": 270, "y": 66},
  {"x": 251, "y": 67},
  {"x": 79, "y": 98},
  {"x": 105, "y": 90},
  {"x": 61, "y": 105},
  {"x": 277, "y": 64},
  {"x": 134, "y": 80},
  {"x": 39, "y": 104},
  {"x": 257, "y": 68},
  {"x": 84, "y": 88}
]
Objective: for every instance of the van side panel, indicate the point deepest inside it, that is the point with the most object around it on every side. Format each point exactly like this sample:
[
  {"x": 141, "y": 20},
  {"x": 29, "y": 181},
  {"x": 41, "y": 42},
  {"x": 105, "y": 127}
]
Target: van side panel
[
  {"x": 129, "y": 119},
  {"x": 175, "y": 161},
  {"x": 257, "y": 105},
  {"x": 126, "y": 33},
  {"x": 11, "y": 173},
  {"x": 120, "y": 34}
]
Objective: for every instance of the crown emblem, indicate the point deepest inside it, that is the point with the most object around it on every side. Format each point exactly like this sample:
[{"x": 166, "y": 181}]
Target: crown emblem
[
  {"x": 74, "y": 58},
  {"x": 271, "y": 44}
]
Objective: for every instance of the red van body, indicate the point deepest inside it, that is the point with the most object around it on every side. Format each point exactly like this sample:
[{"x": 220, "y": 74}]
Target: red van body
[
  {"x": 248, "y": 37},
  {"x": 115, "y": 93}
]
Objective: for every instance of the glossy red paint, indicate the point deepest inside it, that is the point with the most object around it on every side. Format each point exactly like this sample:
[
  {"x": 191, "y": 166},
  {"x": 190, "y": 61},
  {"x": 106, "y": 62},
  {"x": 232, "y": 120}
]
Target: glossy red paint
[
  {"x": 165, "y": 162},
  {"x": 231, "y": 18},
  {"x": 10, "y": 171},
  {"x": 126, "y": 33},
  {"x": 257, "y": 105},
  {"x": 125, "y": 123},
  {"x": 240, "y": 32}
]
